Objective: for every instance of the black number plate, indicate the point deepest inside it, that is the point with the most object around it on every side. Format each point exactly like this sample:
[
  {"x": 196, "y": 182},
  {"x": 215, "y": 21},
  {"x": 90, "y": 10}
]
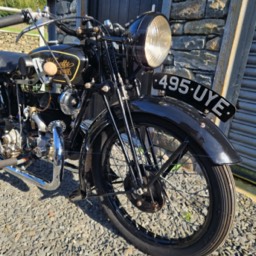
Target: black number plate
[{"x": 197, "y": 95}]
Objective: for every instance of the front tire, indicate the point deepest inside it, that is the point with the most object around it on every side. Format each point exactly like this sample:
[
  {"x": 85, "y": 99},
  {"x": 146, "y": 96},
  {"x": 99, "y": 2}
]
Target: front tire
[{"x": 193, "y": 203}]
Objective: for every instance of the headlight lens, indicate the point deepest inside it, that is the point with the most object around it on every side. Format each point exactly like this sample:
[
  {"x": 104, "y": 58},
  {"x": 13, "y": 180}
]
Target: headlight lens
[{"x": 151, "y": 37}]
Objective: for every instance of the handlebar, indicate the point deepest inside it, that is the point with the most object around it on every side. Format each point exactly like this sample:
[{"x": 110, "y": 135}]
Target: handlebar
[
  {"x": 43, "y": 18},
  {"x": 67, "y": 30},
  {"x": 13, "y": 19}
]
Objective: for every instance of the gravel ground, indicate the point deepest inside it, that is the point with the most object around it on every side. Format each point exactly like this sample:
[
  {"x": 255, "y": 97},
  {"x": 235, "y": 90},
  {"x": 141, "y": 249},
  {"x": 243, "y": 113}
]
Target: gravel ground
[{"x": 36, "y": 222}]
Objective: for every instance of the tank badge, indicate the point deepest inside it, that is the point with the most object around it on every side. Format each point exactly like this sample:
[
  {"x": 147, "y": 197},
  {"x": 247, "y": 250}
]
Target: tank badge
[{"x": 66, "y": 67}]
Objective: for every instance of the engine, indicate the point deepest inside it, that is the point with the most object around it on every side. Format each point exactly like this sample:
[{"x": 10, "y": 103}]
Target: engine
[
  {"x": 33, "y": 136},
  {"x": 33, "y": 133},
  {"x": 11, "y": 144},
  {"x": 46, "y": 100}
]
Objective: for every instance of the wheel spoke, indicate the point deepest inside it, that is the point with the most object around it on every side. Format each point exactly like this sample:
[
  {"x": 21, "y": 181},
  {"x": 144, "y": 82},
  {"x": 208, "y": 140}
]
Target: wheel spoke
[
  {"x": 189, "y": 214},
  {"x": 175, "y": 205},
  {"x": 166, "y": 167}
]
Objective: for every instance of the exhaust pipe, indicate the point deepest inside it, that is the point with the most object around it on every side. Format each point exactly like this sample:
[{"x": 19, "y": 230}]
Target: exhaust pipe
[
  {"x": 12, "y": 161},
  {"x": 58, "y": 165}
]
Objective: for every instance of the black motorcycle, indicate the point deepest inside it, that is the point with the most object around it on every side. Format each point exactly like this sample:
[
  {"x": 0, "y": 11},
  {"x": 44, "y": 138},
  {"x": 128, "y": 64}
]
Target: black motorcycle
[{"x": 158, "y": 164}]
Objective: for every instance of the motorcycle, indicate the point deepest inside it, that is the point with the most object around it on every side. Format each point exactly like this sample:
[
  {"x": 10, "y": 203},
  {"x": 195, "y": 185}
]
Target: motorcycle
[{"x": 158, "y": 164}]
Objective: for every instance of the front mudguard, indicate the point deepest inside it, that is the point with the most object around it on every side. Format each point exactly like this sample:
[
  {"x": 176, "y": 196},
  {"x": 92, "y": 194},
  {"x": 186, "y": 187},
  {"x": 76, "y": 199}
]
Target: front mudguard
[{"x": 198, "y": 127}]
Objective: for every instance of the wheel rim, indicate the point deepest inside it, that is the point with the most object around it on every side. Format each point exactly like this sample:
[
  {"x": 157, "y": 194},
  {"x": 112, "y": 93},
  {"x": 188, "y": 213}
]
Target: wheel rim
[{"x": 185, "y": 212}]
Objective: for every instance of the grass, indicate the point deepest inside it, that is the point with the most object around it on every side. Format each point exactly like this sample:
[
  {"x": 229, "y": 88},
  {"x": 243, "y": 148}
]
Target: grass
[
  {"x": 246, "y": 188},
  {"x": 19, "y": 28},
  {"x": 244, "y": 173},
  {"x": 245, "y": 181},
  {"x": 21, "y": 4},
  {"x": 187, "y": 216}
]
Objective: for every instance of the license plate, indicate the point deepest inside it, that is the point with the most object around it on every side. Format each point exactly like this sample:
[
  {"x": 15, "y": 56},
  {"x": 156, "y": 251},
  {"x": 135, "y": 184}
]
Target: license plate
[{"x": 195, "y": 94}]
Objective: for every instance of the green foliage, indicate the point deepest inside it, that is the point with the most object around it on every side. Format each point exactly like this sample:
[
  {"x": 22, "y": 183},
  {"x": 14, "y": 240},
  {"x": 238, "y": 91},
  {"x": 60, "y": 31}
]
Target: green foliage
[
  {"x": 187, "y": 216},
  {"x": 21, "y": 4},
  {"x": 176, "y": 167}
]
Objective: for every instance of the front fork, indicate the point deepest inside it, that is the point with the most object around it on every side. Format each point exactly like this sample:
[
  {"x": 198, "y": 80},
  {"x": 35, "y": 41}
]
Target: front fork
[
  {"x": 137, "y": 170},
  {"x": 133, "y": 164}
]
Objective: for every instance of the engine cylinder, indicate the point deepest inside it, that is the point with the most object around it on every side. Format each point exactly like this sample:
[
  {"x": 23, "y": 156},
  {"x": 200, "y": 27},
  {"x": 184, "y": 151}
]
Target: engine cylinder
[{"x": 11, "y": 144}]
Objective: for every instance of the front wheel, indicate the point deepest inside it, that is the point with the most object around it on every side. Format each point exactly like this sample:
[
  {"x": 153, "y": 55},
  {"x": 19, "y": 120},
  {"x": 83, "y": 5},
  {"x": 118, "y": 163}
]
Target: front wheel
[{"x": 187, "y": 210}]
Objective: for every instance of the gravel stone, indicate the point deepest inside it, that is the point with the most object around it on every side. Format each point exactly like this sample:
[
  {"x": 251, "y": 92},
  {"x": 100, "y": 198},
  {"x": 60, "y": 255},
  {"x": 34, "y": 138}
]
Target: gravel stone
[{"x": 37, "y": 222}]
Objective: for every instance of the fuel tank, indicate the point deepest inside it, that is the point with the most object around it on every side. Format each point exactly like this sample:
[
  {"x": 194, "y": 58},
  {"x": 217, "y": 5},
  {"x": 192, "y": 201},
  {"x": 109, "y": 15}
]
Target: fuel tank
[{"x": 72, "y": 61}]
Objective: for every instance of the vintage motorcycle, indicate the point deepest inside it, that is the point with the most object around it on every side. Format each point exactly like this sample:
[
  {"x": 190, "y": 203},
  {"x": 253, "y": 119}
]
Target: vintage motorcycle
[{"x": 158, "y": 164}]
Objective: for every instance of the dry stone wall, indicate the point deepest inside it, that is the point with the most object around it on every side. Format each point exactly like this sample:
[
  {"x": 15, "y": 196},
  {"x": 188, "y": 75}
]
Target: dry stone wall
[
  {"x": 65, "y": 9},
  {"x": 197, "y": 28},
  {"x": 25, "y": 44}
]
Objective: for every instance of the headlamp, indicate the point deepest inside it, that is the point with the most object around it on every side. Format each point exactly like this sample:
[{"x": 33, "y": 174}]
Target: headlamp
[{"x": 150, "y": 37}]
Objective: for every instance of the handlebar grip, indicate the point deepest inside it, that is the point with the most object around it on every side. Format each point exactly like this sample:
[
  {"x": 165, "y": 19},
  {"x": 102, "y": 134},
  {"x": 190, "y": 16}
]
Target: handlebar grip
[{"x": 12, "y": 20}]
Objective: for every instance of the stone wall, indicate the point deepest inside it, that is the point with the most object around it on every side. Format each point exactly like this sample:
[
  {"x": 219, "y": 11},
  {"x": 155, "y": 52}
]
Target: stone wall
[
  {"x": 25, "y": 44},
  {"x": 65, "y": 9},
  {"x": 197, "y": 28}
]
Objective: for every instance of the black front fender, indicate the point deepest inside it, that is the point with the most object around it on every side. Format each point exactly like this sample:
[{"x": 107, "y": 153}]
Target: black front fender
[{"x": 198, "y": 127}]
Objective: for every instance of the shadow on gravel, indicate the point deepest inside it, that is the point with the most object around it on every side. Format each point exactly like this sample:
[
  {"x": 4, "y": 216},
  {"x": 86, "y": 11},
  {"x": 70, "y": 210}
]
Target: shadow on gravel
[
  {"x": 94, "y": 211},
  {"x": 240, "y": 242},
  {"x": 13, "y": 181},
  {"x": 91, "y": 207}
]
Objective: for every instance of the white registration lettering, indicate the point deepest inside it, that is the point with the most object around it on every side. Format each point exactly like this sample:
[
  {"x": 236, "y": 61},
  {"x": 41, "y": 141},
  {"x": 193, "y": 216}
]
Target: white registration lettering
[
  {"x": 174, "y": 83},
  {"x": 220, "y": 106},
  {"x": 211, "y": 97},
  {"x": 163, "y": 81},
  {"x": 199, "y": 97},
  {"x": 184, "y": 86}
]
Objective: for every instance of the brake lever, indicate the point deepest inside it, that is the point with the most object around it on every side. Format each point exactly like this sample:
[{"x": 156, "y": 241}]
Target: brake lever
[
  {"x": 36, "y": 25},
  {"x": 38, "y": 18}
]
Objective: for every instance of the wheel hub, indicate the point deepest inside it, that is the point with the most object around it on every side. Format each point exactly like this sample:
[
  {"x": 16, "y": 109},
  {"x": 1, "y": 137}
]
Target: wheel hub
[{"x": 151, "y": 199}]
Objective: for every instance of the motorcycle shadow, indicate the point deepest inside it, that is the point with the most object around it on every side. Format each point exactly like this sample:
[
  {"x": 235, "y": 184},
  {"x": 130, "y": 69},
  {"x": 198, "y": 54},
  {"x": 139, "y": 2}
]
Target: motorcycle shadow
[
  {"x": 90, "y": 207},
  {"x": 14, "y": 182}
]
